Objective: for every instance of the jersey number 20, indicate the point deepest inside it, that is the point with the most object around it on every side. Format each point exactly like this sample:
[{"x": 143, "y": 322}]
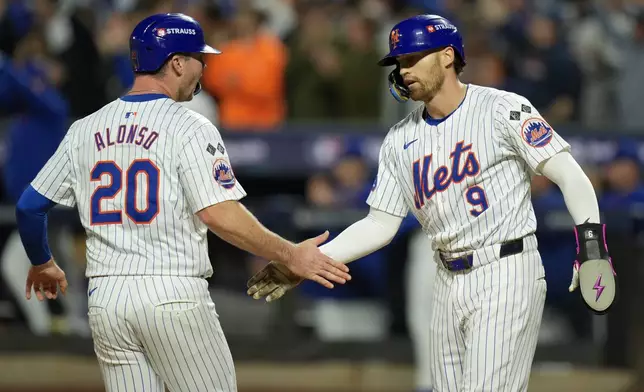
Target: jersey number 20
[{"x": 143, "y": 215}]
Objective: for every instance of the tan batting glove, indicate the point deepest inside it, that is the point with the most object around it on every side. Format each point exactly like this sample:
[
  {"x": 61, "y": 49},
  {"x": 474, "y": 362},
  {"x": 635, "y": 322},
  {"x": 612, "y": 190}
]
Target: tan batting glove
[
  {"x": 272, "y": 282},
  {"x": 575, "y": 277}
]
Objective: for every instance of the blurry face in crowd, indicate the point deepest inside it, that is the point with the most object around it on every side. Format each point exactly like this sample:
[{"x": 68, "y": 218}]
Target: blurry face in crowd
[
  {"x": 623, "y": 175},
  {"x": 316, "y": 27},
  {"x": 188, "y": 70},
  {"x": 246, "y": 23},
  {"x": 542, "y": 32},
  {"x": 44, "y": 9},
  {"x": 31, "y": 47},
  {"x": 424, "y": 72},
  {"x": 320, "y": 192},
  {"x": 487, "y": 70},
  {"x": 358, "y": 31},
  {"x": 350, "y": 172},
  {"x": 515, "y": 5},
  {"x": 615, "y": 4}
]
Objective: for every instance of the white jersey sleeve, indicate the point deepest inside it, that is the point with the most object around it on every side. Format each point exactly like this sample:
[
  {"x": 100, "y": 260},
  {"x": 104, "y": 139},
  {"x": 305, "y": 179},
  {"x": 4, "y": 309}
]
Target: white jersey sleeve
[
  {"x": 205, "y": 172},
  {"x": 526, "y": 132},
  {"x": 386, "y": 193},
  {"x": 56, "y": 178}
]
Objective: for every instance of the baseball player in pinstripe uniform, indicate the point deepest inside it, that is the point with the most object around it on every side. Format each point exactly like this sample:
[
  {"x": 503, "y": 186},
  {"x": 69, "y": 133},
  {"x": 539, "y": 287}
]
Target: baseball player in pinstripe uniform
[
  {"x": 150, "y": 177},
  {"x": 462, "y": 164}
]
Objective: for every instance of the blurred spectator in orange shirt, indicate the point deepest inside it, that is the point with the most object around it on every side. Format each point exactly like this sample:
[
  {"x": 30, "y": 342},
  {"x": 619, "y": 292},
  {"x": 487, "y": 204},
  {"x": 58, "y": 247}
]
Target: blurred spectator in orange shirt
[{"x": 247, "y": 79}]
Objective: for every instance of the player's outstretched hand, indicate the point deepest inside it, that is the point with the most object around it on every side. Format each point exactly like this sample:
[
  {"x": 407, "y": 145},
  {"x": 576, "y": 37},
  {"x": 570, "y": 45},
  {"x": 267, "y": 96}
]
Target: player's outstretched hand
[
  {"x": 310, "y": 263},
  {"x": 272, "y": 282},
  {"x": 46, "y": 278}
]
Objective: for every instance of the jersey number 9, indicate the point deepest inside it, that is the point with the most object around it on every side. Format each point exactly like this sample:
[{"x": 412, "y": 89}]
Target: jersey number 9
[
  {"x": 476, "y": 197},
  {"x": 137, "y": 215}
]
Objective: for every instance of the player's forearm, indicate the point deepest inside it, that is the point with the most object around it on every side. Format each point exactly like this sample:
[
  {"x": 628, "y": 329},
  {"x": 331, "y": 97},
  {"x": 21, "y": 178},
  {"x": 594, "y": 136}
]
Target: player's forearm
[
  {"x": 365, "y": 236},
  {"x": 233, "y": 223},
  {"x": 31, "y": 216},
  {"x": 578, "y": 191}
]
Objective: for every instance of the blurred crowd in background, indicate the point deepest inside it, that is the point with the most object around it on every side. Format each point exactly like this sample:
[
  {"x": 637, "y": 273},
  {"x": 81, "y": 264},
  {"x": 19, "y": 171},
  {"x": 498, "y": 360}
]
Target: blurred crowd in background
[{"x": 314, "y": 61}]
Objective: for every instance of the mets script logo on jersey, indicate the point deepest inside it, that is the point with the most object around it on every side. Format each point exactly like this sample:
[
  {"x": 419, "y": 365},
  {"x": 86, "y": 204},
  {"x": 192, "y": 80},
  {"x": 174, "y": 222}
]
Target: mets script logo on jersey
[
  {"x": 444, "y": 176},
  {"x": 394, "y": 38},
  {"x": 536, "y": 132},
  {"x": 223, "y": 173},
  {"x": 162, "y": 32}
]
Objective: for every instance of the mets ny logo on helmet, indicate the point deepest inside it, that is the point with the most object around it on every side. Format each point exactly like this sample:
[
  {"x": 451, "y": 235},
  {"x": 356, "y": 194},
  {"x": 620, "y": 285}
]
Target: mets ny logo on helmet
[{"x": 162, "y": 32}]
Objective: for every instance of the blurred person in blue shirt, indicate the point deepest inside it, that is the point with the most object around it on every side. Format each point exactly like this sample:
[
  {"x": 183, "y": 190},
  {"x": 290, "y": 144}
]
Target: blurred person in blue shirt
[
  {"x": 345, "y": 186},
  {"x": 67, "y": 34},
  {"x": 557, "y": 251},
  {"x": 624, "y": 194},
  {"x": 40, "y": 113},
  {"x": 544, "y": 71},
  {"x": 38, "y": 122},
  {"x": 512, "y": 32},
  {"x": 15, "y": 22},
  {"x": 624, "y": 186}
]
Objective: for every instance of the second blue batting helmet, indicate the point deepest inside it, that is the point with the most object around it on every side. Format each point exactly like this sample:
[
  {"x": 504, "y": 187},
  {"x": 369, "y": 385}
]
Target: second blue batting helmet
[
  {"x": 417, "y": 34},
  {"x": 160, "y": 36}
]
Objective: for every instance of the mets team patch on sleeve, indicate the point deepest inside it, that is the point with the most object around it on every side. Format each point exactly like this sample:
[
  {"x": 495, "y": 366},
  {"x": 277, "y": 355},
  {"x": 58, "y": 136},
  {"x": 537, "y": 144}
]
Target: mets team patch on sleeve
[
  {"x": 223, "y": 173},
  {"x": 536, "y": 132}
]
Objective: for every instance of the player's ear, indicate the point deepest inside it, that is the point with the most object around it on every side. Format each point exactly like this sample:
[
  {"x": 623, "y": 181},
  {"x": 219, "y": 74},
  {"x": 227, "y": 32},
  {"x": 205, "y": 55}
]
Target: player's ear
[
  {"x": 447, "y": 57},
  {"x": 178, "y": 64}
]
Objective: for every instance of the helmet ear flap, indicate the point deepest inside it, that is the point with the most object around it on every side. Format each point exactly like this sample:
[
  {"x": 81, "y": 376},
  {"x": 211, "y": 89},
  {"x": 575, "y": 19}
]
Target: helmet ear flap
[{"x": 397, "y": 85}]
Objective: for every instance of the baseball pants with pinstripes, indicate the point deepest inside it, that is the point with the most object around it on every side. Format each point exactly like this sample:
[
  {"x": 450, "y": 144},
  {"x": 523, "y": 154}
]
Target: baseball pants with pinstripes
[
  {"x": 486, "y": 321},
  {"x": 152, "y": 332}
]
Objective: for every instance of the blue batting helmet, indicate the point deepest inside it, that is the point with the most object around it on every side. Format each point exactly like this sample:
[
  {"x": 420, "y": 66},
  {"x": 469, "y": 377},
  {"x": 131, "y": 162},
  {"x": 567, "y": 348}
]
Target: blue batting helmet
[
  {"x": 417, "y": 34},
  {"x": 157, "y": 37}
]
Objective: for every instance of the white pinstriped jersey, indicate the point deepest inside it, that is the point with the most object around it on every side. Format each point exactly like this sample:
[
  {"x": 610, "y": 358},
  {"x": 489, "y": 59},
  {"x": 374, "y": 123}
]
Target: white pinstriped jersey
[
  {"x": 139, "y": 169},
  {"x": 466, "y": 177}
]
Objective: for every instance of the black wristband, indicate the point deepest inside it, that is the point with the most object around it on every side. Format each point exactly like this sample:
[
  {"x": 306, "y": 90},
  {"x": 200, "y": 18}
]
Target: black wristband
[{"x": 591, "y": 242}]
